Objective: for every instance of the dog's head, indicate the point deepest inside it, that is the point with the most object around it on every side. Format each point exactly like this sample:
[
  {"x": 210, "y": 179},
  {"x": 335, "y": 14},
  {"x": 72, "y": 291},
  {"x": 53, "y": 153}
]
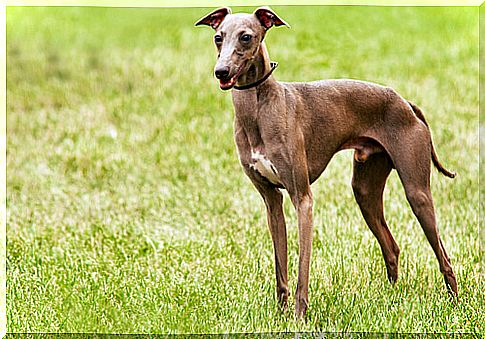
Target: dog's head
[{"x": 238, "y": 38}]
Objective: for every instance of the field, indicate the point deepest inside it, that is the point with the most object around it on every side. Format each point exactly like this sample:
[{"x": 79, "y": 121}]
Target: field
[{"x": 128, "y": 211}]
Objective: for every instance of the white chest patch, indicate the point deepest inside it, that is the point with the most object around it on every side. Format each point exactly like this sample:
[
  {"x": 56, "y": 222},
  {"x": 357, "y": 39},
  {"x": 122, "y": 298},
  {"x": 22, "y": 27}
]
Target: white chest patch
[{"x": 265, "y": 167}]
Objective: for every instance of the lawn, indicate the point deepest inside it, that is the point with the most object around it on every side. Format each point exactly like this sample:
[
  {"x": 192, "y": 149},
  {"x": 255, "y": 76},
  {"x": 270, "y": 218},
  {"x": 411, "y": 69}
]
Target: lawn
[{"x": 128, "y": 211}]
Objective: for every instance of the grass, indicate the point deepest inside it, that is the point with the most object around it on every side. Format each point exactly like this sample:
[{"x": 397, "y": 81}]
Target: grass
[{"x": 128, "y": 211}]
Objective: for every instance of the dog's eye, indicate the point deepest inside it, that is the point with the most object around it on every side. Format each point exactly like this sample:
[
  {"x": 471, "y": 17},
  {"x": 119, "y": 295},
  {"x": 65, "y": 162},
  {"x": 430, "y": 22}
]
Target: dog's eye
[
  {"x": 246, "y": 38},
  {"x": 218, "y": 39}
]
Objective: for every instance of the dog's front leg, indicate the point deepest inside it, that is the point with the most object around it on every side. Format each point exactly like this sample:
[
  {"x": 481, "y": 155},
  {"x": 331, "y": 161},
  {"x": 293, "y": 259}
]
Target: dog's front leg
[
  {"x": 297, "y": 183},
  {"x": 273, "y": 200},
  {"x": 303, "y": 203}
]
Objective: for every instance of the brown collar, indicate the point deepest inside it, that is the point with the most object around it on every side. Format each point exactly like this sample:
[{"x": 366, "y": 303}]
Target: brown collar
[{"x": 273, "y": 64}]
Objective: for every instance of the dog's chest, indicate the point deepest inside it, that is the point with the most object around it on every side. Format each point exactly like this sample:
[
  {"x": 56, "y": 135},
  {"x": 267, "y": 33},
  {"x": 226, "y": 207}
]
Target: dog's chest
[{"x": 264, "y": 167}]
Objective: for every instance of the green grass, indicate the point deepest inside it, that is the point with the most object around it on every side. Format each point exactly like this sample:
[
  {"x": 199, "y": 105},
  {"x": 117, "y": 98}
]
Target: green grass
[{"x": 128, "y": 210}]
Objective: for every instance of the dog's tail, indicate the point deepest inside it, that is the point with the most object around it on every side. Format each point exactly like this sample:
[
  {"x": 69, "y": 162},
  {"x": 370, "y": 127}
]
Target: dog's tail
[{"x": 434, "y": 157}]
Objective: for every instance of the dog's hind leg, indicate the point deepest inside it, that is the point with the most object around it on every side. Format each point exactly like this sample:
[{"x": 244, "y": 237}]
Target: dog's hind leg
[
  {"x": 368, "y": 183},
  {"x": 412, "y": 159}
]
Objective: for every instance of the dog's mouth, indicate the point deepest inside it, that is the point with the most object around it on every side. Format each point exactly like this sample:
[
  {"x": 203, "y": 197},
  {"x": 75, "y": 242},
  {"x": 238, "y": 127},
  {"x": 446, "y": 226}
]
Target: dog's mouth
[{"x": 228, "y": 83}]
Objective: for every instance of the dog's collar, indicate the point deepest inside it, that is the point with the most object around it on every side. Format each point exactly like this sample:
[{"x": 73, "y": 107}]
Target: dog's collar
[{"x": 273, "y": 65}]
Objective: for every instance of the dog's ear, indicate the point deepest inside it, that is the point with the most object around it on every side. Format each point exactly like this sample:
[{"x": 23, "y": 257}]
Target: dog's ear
[
  {"x": 214, "y": 18},
  {"x": 268, "y": 18}
]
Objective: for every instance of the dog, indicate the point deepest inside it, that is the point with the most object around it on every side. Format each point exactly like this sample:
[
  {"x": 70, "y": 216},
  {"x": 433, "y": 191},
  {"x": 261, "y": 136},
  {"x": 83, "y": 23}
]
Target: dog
[{"x": 286, "y": 133}]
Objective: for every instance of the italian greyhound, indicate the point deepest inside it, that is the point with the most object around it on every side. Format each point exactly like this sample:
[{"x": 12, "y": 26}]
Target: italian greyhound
[{"x": 286, "y": 134}]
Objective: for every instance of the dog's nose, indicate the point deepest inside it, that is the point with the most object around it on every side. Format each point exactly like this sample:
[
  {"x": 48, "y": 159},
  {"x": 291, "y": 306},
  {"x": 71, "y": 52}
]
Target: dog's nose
[{"x": 222, "y": 73}]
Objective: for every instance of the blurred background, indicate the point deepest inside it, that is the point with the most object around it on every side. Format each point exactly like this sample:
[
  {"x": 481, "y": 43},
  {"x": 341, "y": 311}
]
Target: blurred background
[{"x": 128, "y": 210}]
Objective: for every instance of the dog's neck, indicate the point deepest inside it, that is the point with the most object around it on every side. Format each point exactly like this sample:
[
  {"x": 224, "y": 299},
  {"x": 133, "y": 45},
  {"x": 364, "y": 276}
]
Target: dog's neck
[
  {"x": 260, "y": 66},
  {"x": 246, "y": 101}
]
